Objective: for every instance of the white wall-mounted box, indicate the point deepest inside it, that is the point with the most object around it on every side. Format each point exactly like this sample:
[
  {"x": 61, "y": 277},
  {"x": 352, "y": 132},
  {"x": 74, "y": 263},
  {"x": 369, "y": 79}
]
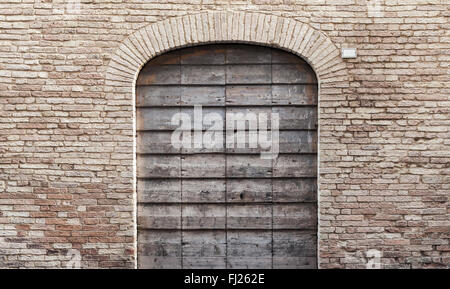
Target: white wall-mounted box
[{"x": 348, "y": 53}]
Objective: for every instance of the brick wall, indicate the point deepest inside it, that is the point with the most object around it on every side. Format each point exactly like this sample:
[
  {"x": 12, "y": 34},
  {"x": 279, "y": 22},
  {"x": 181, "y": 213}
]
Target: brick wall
[{"x": 66, "y": 127}]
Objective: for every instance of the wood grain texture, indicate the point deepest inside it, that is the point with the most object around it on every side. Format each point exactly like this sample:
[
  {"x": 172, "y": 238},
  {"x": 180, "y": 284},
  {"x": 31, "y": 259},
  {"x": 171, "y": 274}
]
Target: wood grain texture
[
  {"x": 249, "y": 94},
  {"x": 249, "y": 190},
  {"x": 158, "y": 95},
  {"x": 204, "y": 244},
  {"x": 295, "y": 190},
  {"x": 159, "y": 191},
  {"x": 294, "y": 244},
  {"x": 249, "y": 249},
  {"x": 292, "y": 73},
  {"x": 237, "y": 54},
  {"x": 200, "y": 55},
  {"x": 299, "y": 94},
  {"x": 204, "y": 216},
  {"x": 294, "y": 216},
  {"x": 203, "y": 166},
  {"x": 161, "y": 166},
  {"x": 203, "y": 191},
  {"x": 163, "y": 74},
  {"x": 159, "y": 249},
  {"x": 203, "y": 95},
  {"x": 295, "y": 166},
  {"x": 226, "y": 207},
  {"x": 249, "y": 216},
  {"x": 297, "y": 118},
  {"x": 155, "y": 142},
  {"x": 249, "y": 73},
  {"x": 248, "y": 166},
  {"x": 161, "y": 118},
  {"x": 200, "y": 74},
  {"x": 161, "y": 216}
]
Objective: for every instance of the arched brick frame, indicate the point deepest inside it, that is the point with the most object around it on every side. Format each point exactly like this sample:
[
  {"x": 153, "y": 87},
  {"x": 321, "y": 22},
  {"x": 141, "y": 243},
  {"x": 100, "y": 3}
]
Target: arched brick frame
[
  {"x": 215, "y": 27},
  {"x": 233, "y": 27}
]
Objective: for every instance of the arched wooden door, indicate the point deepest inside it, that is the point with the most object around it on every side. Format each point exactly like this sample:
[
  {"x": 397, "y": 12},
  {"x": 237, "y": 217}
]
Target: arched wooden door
[{"x": 226, "y": 207}]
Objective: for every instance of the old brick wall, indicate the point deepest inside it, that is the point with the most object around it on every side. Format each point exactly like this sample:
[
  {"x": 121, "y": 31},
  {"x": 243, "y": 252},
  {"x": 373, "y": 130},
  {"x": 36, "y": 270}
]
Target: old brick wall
[{"x": 66, "y": 138}]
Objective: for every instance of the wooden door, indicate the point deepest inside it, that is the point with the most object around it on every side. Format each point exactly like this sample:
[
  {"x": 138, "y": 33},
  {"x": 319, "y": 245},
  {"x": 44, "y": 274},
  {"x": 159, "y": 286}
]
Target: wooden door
[{"x": 227, "y": 207}]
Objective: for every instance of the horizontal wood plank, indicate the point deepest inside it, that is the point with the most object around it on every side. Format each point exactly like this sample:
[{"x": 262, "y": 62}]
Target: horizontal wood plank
[
  {"x": 160, "y": 118},
  {"x": 203, "y": 191},
  {"x": 294, "y": 244},
  {"x": 181, "y": 190},
  {"x": 160, "y": 244},
  {"x": 248, "y": 95},
  {"x": 152, "y": 142},
  {"x": 296, "y": 94},
  {"x": 198, "y": 55},
  {"x": 249, "y": 263},
  {"x": 248, "y": 191},
  {"x": 250, "y": 166},
  {"x": 240, "y": 54},
  {"x": 294, "y": 262},
  {"x": 254, "y": 244},
  {"x": 156, "y": 118},
  {"x": 203, "y": 95},
  {"x": 204, "y": 262},
  {"x": 203, "y": 166},
  {"x": 297, "y": 118},
  {"x": 160, "y": 74},
  {"x": 298, "y": 141},
  {"x": 249, "y": 216},
  {"x": 158, "y": 95},
  {"x": 159, "y": 191},
  {"x": 295, "y": 216},
  {"x": 250, "y": 73},
  {"x": 171, "y": 57},
  {"x": 295, "y": 166},
  {"x": 203, "y": 216},
  {"x": 152, "y": 262},
  {"x": 200, "y": 74},
  {"x": 292, "y": 73},
  {"x": 155, "y": 142},
  {"x": 159, "y": 216},
  {"x": 204, "y": 244},
  {"x": 153, "y": 166},
  {"x": 284, "y": 57},
  {"x": 295, "y": 190}
]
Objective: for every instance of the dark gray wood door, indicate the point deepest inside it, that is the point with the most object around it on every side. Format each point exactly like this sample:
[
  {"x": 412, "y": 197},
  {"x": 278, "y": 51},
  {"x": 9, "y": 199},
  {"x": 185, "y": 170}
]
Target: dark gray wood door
[{"x": 227, "y": 207}]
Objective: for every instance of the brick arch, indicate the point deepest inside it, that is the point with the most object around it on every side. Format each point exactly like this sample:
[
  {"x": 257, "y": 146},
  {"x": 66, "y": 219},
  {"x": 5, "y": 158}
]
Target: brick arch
[{"x": 219, "y": 27}]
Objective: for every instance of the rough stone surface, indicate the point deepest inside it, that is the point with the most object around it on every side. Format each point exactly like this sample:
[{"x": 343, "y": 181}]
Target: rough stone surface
[{"x": 67, "y": 72}]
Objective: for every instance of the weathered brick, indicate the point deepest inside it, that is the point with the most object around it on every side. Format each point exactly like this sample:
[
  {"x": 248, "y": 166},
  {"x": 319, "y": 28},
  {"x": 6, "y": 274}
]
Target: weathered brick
[{"x": 66, "y": 127}]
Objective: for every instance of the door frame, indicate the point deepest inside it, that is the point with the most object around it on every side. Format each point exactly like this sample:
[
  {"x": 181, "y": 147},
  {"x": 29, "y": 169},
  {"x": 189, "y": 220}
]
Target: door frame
[{"x": 154, "y": 39}]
